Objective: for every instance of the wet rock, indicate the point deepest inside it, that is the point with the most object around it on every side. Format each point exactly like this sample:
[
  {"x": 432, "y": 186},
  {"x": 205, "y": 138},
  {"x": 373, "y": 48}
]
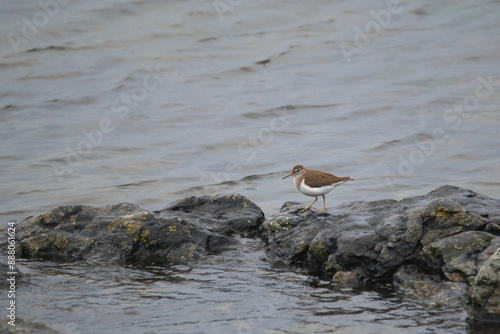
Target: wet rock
[
  {"x": 225, "y": 215},
  {"x": 443, "y": 218},
  {"x": 483, "y": 300},
  {"x": 432, "y": 246},
  {"x": 125, "y": 233},
  {"x": 25, "y": 327},
  {"x": 456, "y": 256},
  {"x": 429, "y": 287},
  {"x": 348, "y": 279}
]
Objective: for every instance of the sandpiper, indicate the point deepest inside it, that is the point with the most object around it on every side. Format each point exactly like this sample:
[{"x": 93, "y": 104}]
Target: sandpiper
[{"x": 314, "y": 183}]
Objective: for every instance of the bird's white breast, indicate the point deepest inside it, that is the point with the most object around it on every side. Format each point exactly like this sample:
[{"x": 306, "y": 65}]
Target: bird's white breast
[{"x": 317, "y": 191}]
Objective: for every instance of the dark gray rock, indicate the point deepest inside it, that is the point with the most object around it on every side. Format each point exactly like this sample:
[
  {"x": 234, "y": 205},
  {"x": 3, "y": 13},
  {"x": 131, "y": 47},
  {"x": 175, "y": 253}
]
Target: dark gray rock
[
  {"x": 456, "y": 257},
  {"x": 225, "y": 215},
  {"x": 431, "y": 288},
  {"x": 432, "y": 246},
  {"x": 483, "y": 300},
  {"x": 25, "y": 327},
  {"x": 125, "y": 233}
]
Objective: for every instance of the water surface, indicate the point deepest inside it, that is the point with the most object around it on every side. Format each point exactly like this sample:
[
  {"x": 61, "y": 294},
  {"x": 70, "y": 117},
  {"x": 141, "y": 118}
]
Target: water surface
[{"x": 147, "y": 102}]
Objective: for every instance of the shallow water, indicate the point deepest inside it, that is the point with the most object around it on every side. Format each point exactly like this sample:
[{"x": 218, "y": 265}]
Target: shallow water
[
  {"x": 148, "y": 102},
  {"x": 237, "y": 292}
]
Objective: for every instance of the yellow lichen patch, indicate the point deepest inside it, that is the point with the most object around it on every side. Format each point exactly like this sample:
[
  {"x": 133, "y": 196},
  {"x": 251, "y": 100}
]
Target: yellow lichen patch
[
  {"x": 428, "y": 290},
  {"x": 57, "y": 241},
  {"x": 189, "y": 254},
  {"x": 133, "y": 226},
  {"x": 454, "y": 277},
  {"x": 274, "y": 226},
  {"x": 143, "y": 238},
  {"x": 443, "y": 212},
  {"x": 432, "y": 251},
  {"x": 280, "y": 223},
  {"x": 115, "y": 224},
  {"x": 318, "y": 249},
  {"x": 300, "y": 247},
  {"x": 477, "y": 244},
  {"x": 31, "y": 244},
  {"x": 191, "y": 251},
  {"x": 346, "y": 277}
]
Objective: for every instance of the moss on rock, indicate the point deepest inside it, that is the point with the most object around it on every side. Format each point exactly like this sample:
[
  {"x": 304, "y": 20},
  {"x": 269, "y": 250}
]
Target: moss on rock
[{"x": 125, "y": 233}]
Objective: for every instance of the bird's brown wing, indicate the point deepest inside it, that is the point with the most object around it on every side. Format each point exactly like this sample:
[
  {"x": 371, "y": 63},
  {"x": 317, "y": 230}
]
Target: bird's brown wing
[{"x": 322, "y": 178}]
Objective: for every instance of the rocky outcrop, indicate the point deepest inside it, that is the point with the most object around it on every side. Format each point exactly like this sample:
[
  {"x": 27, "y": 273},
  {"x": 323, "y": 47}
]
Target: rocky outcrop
[
  {"x": 125, "y": 233},
  {"x": 442, "y": 247},
  {"x": 432, "y": 246}
]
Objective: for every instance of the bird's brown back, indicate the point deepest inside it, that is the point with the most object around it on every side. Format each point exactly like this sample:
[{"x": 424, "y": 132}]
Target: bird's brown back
[{"x": 318, "y": 178}]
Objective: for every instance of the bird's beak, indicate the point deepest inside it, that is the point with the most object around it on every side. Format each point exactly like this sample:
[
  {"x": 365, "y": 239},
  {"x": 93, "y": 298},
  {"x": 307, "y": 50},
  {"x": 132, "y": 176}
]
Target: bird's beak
[{"x": 288, "y": 175}]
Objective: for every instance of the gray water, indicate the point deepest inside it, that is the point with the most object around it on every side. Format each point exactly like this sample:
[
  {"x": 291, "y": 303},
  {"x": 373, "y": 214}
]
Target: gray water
[
  {"x": 146, "y": 102},
  {"x": 237, "y": 292}
]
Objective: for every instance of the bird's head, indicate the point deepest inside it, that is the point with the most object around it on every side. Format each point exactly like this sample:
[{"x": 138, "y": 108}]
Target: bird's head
[{"x": 296, "y": 171}]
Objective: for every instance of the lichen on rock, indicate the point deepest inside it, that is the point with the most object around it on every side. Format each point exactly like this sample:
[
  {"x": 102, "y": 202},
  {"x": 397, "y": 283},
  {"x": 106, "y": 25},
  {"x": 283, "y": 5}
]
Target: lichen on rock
[
  {"x": 483, "y": 300},
  {"x": 186, "y": 230},
  {"x": 431, "y": 246}
]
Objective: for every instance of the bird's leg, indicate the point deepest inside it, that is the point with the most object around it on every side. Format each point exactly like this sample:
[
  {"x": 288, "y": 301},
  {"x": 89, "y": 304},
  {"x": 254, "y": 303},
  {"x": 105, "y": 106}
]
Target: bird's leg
[
  {"x": 309, "y": 206},
  {"x": 324, "y": 204}
]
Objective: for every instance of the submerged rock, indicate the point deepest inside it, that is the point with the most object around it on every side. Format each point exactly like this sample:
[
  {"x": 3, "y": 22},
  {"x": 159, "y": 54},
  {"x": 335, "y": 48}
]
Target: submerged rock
[
  {"x": 22, "y": 326},
  {"x": 125, "y": 233},
  {"x": 432, "y": 246}
]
